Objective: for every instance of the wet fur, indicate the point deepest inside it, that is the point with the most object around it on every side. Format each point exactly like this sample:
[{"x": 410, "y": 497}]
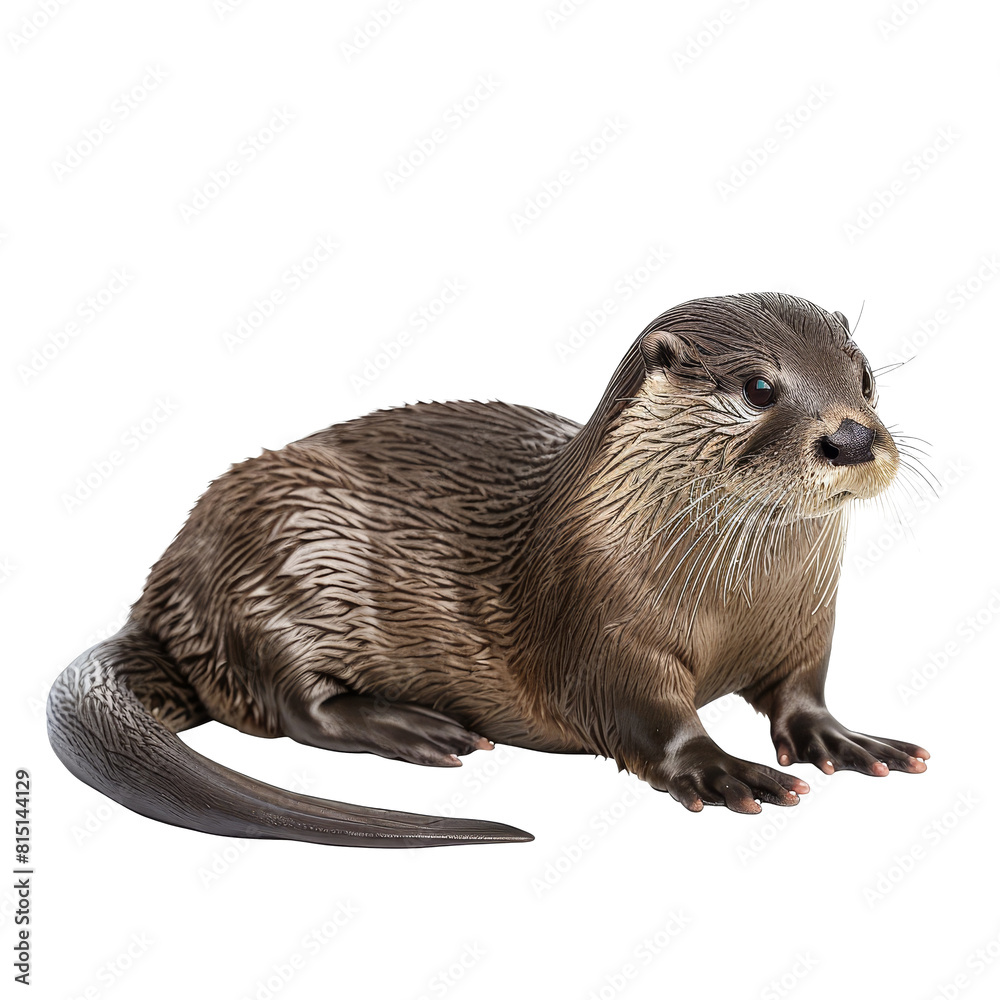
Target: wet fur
[{"x": 545, "y": 585}]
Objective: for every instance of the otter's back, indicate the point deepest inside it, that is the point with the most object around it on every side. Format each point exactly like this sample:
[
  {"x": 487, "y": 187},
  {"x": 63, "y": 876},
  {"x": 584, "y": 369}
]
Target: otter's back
[{"x": 367, "y": 557}]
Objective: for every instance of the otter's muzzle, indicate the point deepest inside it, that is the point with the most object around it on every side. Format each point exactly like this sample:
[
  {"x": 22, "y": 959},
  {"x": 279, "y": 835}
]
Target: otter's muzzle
[{"x": 850, "y": 444}]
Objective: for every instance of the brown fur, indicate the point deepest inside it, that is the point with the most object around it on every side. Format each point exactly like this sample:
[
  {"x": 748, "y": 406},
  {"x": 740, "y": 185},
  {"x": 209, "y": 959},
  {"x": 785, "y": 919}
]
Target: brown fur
[
  {"x": 546, "y": 585},
  {"x": 458, "y": 555}
]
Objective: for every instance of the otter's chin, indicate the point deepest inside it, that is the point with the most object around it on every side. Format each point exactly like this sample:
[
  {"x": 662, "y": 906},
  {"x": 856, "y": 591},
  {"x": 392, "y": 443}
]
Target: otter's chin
[{"x": 820, "y": 506}]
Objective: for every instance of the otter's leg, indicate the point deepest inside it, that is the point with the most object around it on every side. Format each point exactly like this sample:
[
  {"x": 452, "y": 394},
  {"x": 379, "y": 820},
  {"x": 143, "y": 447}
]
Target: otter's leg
[
  {"x": 804, "y": 731},
  {"x": 664, "y": 743},
  {"x": 358, "y": 724}
]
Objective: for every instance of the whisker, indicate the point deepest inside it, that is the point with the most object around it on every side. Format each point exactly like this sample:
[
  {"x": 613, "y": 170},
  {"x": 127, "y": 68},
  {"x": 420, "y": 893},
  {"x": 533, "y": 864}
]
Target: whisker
[
  {"x": 907, "y": 437},
  {"x": 861, "y": 311},
  {"x": 912, "y": 464},
  {"x": 886, "y": 369}
]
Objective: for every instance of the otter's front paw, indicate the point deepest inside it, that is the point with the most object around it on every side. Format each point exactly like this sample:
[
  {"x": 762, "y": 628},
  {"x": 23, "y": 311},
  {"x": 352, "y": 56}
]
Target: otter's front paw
[
  {"x": 701, "y": 773},
  {"x": 818, "y": 738}
]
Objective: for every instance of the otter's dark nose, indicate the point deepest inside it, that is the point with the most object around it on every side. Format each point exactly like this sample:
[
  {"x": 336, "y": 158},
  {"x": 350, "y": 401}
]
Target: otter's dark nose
[{"x": 850, "y": 444}]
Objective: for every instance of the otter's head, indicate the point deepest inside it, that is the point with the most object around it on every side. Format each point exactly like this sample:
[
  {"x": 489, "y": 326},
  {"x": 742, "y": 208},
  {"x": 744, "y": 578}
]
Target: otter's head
[{"x": 765, "y": 396}]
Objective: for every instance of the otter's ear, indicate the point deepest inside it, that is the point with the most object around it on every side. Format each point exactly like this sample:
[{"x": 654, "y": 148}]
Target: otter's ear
[
  {"x": 664, "y": 352},
  {"x": 842, "y": 320}
]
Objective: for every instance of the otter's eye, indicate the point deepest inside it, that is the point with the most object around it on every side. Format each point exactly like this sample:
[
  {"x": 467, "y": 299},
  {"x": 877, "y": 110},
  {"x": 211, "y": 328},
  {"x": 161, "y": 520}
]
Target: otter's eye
[
  {"x": 757, "y": 391},
  {"x": 867, "y": 383}
]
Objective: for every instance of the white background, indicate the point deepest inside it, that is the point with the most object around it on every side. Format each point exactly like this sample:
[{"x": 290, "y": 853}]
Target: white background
[{"x": 871, "y": 887}]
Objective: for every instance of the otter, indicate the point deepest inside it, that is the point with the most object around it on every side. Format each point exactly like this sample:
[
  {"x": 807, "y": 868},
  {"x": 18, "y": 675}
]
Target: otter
[{"x": 435, "y": 578}]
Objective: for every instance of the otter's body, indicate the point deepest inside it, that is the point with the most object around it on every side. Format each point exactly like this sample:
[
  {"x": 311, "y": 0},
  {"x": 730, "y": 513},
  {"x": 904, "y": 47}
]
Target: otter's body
[
  {"x": 367, "y": 558},
  {"x": 424, "y": 580}
]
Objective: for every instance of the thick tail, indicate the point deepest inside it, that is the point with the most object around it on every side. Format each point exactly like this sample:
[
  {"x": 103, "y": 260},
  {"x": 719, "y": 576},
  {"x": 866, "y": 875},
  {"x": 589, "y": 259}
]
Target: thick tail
[{"x": 102, "y": 730}]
